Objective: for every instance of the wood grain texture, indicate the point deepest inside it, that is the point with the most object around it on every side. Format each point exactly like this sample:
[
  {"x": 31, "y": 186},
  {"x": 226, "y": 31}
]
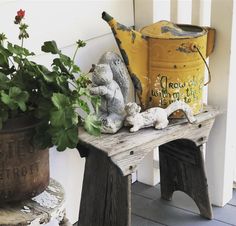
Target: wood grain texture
[
  {"x": 106, "y": 194},
  {"x": 127, "y": 149},
  {"x": 182, "y": 169},
  {"x": 32, "y": 212},
  {"x": 112, "y": 158}
]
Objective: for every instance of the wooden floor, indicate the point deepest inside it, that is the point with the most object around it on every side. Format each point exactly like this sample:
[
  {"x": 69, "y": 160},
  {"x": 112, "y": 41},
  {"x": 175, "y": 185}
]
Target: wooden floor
[{"x": 148, "y": 209}]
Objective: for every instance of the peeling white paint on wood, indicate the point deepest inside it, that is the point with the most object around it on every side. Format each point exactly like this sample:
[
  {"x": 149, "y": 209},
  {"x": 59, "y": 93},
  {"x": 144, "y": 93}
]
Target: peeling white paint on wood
[
  {"x": 39, "y": 210},
  {"x": 47, "y": 200}
]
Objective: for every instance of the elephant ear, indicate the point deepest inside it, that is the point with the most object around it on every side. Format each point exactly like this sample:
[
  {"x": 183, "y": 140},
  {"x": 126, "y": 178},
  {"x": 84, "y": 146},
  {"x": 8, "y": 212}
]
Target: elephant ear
[{"x": 119, "y": 70}]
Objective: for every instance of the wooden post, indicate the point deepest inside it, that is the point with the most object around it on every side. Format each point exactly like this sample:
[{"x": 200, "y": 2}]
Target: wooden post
[
  {"x": 221, "y": 146},
  {"x": 106, "y": 194}
]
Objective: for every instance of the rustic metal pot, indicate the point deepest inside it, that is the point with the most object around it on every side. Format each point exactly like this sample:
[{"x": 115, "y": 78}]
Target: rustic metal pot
[{"x": 24, "y": 170}]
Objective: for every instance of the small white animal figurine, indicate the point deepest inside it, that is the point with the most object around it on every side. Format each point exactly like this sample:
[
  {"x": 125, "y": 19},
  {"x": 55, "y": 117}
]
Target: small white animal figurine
[{"x": 156, "y": 116}]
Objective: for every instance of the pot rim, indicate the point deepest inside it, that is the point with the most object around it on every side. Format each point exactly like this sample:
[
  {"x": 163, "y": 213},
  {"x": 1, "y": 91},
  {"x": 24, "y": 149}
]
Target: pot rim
[{"x": 18, "y": 124}]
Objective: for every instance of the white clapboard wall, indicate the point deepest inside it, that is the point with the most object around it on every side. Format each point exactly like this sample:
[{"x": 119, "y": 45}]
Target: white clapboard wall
[
  {"x": 66, "y": 21},
  {"x": 221, "y": 148}
]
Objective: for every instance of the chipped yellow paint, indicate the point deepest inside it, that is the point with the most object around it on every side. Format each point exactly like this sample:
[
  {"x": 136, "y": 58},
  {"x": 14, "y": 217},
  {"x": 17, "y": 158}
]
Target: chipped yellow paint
[
  {"x": 176, "y": 72},
  {"x": 165, "y": 64},
  {"x": 134, "y": 50}
]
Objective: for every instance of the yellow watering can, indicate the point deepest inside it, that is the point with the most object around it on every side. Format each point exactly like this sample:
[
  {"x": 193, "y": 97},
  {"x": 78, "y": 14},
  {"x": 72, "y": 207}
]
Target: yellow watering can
[{"x": 165, "y": 61}]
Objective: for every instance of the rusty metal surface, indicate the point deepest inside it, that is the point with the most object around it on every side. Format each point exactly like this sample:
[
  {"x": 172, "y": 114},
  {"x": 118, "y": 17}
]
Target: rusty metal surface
[
  {"x": 24, "y": 170},
  {"x": 166, "y": 61}
]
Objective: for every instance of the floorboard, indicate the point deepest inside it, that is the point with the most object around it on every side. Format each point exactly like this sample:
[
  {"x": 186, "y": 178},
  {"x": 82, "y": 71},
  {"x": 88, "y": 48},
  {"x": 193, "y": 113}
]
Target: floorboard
[
  {"x": 139, "y": 221},
  {"x": 156, "y": 211},
  {"x": 148, "y": 209},
  {"x": 182, "y": 202}
]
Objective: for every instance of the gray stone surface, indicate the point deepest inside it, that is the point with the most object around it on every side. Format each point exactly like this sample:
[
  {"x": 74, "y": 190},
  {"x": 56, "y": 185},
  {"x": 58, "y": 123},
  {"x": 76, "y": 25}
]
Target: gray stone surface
[{"x": 110, "y": 81}]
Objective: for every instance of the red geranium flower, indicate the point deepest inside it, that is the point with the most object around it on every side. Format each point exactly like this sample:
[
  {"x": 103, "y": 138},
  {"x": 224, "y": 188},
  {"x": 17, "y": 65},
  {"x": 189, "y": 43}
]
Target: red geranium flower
[{"x": 21, "y": 13}]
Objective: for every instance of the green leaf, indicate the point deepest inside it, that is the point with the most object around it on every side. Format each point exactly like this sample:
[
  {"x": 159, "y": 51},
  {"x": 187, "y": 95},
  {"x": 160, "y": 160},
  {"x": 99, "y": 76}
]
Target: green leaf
[
  {"x": 5, "y": 51},
  {"x": 18, "y": 50},
  {"x": 83, "y": 105},
  {"x": 83, "y": 81},
  {"x": 64, "y": 138},
  {"x": 63, "y": 83},
  {"x": 96, "y": 102},
  {"x": 64, "y": 114},
  {"x": 64, "y": 117},
  {"x": 66, "y": 60},
  {"x": 18, "y": 95},
  {"x": 57, "y": 62},
  {"x": 4, "y": 81},
  {"x": 42, "y": 137},
  {"x": 15, "y": 98},
  {"x": 75, "y": 69},
  {"x": 83, "y": 91},
  {"x": 3, "y": 61},
  {"x": 92, "y": 125},
  {"x": 51, "y": 76},
  {"x": 43, "y": 109},
  {"x": 60, "y": 100},
  {"x": 7, "y": 70},
  {"x": 8, "y": 101},
  {"x": 50, "y": 47},
  {"x": 45, "y": 91}
]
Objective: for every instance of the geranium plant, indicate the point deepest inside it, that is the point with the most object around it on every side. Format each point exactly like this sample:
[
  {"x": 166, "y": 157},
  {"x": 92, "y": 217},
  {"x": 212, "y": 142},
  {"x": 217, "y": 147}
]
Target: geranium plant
[{"x": 58, "y": 96}]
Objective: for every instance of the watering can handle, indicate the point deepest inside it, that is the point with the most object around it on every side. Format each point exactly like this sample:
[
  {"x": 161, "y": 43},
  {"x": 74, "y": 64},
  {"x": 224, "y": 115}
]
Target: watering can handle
[{"x": 195, "y": 48}]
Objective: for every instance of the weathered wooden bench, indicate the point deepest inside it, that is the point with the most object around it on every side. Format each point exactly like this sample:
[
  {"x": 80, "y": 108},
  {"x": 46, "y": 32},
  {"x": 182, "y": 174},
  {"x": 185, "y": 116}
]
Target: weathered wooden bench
[{"x": 110, "y": 160}]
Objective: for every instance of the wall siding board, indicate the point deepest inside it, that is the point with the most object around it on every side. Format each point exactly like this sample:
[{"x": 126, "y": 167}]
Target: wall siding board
[{"x": 63, "y": 21}]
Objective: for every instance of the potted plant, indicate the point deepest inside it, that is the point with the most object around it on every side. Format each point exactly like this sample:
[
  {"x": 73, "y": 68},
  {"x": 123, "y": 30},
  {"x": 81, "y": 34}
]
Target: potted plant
[{"x": 39, "y": 107}]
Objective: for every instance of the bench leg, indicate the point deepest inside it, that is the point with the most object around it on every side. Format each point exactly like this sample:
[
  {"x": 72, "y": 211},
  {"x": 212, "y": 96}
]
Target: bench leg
[
  {"x": 106, "y": 194},
  {"x": 182, "y": 168}
]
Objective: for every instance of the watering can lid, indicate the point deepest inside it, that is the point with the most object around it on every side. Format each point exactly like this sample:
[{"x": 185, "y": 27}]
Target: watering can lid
[{"x": 168, "y": 30}]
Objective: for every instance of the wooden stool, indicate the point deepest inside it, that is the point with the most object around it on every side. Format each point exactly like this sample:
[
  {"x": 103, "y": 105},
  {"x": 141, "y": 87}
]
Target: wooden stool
[
  {"x": 110, "y": 160},
  {"x": 39, "y": 210}
]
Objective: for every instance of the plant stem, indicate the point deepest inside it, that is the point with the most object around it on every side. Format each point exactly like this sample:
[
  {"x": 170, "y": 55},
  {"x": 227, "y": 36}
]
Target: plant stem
[
  {"x": 12, "y": 62},
  {"x": 22, "y": 42},
  {"x": 73, "y": 59},
  {"x": 72, "y": 84}
]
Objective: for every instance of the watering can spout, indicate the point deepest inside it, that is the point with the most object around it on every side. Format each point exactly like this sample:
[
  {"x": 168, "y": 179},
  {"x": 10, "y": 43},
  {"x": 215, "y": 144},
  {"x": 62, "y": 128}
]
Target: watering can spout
[
  {"x": 106, "y": 17},
  {"x": 134, "y": 50}
]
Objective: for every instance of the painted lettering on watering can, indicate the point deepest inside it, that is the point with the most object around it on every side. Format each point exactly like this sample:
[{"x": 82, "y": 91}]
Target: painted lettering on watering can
[{"x": 166, "y": 61}]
